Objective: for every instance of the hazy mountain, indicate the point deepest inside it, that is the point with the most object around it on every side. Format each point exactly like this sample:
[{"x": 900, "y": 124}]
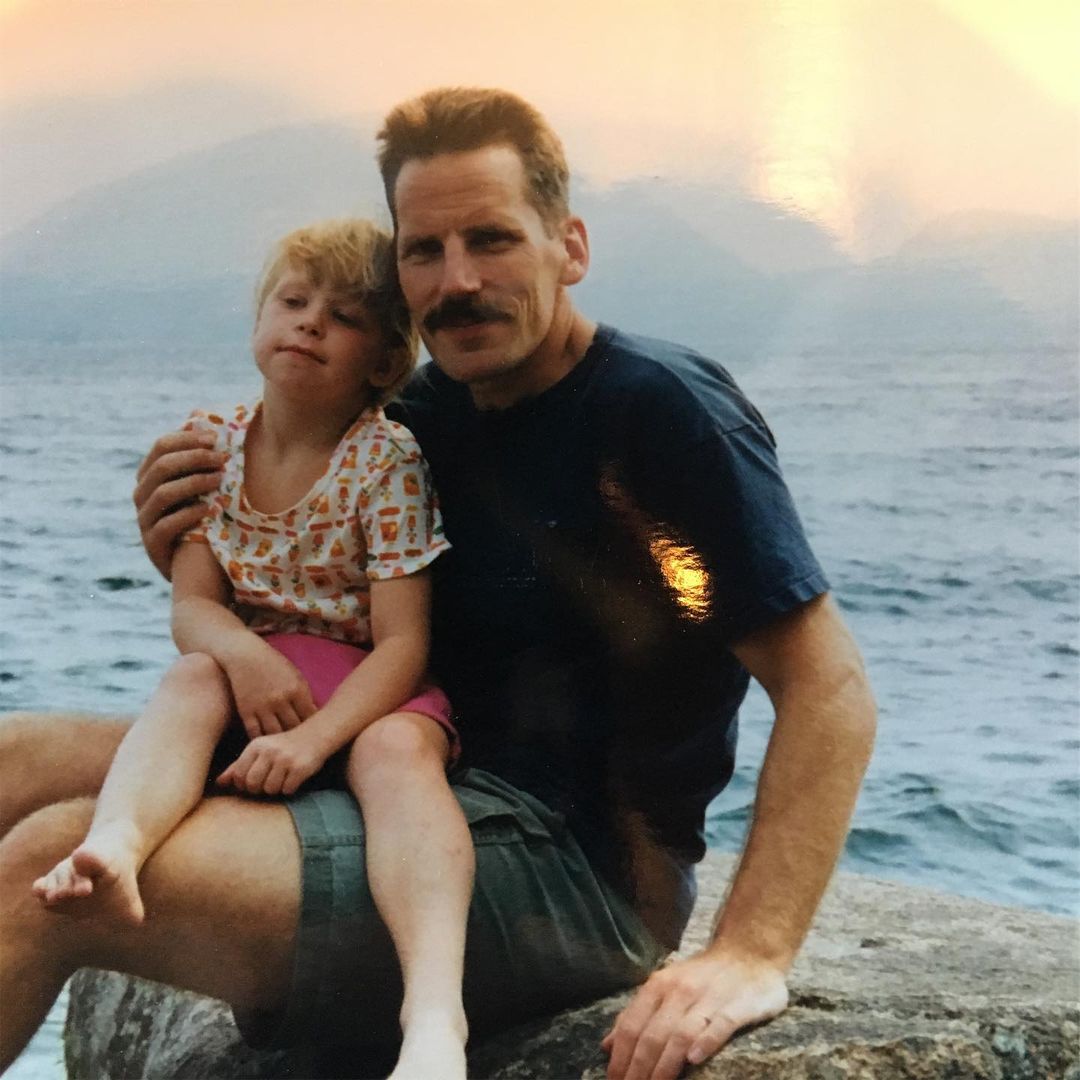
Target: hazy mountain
[
  {"x": 1033, "y": 261},
  {"x": 57, "y": 146},
  {"x": 170, "y": 253},
  {"x": 200, "y": 214}
]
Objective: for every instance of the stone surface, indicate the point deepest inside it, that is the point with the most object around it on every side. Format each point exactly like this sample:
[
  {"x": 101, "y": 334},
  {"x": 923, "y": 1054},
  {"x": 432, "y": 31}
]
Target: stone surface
[{"x": 893, "y": 982}]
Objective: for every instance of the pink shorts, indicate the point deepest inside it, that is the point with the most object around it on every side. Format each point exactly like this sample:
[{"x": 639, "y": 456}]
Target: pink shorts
[{"x": 325, "y": 663}]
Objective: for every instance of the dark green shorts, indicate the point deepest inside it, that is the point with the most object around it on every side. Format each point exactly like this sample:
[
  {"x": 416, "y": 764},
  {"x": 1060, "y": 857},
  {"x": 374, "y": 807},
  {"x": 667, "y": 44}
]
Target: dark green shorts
[{"x": 545, "y": 932}]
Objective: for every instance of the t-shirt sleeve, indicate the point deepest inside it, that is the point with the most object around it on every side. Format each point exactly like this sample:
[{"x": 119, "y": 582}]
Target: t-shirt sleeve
[
  {"x": 711, "y": 483},
  {"x": 199, "y": 420},
  {"x": 400, "y": 519}
]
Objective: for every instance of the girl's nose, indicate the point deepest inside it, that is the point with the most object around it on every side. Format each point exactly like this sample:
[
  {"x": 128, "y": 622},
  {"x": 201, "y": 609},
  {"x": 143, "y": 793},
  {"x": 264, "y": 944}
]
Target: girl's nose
[{"x": 311, "y": 320}]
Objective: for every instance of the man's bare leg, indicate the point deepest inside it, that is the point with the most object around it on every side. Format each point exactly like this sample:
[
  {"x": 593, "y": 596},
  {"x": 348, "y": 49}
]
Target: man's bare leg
[
  {"x": 420, "y": 867},
  {"x": 156, "y": 778},
  {"x": 227, "y": 934},
  {"x": 47, "y": 758}
]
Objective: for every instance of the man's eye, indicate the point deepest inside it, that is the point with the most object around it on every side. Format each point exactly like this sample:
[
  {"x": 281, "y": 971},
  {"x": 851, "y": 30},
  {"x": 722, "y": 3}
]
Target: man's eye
[
  {"x": 490, "y": 239},
  {"x": 421, "y": 250}
]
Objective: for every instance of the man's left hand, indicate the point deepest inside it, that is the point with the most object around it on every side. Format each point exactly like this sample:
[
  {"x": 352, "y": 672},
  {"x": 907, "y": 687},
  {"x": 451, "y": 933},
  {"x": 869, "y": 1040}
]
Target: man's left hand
[{"x": 686, "y": 1011}]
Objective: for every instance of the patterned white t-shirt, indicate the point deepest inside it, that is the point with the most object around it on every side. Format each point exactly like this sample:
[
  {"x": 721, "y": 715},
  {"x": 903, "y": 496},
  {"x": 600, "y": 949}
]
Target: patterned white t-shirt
[{"x": 372, "y": 515}]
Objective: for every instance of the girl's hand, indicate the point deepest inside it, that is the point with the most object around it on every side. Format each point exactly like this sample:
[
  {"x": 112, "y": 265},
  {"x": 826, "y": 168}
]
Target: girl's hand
[
  {"x": 270, "y": 693},
  {"x": 274, "y": 764}
]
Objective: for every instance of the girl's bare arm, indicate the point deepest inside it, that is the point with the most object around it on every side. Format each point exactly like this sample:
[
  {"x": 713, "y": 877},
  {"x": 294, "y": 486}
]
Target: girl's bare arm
[{"x": 270, "y": 694}]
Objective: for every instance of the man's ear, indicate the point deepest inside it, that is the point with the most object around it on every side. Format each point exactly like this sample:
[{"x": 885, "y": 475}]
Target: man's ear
[
  {"x": 576, "y": 242},
  {"x": 390, "y": 367}
]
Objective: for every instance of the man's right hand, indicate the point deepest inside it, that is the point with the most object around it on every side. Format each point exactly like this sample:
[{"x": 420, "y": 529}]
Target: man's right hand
[{"x": 180, "y": 467}]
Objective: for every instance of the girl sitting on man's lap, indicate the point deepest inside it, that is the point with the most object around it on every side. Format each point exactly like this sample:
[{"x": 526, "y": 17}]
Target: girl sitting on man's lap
[{"x": 300, "y": 605}]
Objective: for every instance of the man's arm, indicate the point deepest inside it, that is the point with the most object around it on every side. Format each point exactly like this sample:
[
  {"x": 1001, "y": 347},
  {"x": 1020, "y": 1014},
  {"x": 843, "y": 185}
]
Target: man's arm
[
  {"x": 180, "y": 467},
  {"x": 810, "y": 667}
]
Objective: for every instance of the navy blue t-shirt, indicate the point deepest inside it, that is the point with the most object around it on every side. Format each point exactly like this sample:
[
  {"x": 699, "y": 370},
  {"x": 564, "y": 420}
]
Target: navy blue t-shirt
[{"x": 611, "y": 537}]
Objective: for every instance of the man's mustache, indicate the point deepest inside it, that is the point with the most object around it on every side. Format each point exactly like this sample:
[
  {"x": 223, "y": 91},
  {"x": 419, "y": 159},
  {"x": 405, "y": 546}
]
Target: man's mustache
[{"x": 462, "y": 309}]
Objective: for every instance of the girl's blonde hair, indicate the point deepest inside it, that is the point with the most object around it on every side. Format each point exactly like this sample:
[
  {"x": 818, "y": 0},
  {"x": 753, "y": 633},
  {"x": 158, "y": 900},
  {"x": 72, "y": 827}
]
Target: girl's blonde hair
[{"x": 356, "y": 258}]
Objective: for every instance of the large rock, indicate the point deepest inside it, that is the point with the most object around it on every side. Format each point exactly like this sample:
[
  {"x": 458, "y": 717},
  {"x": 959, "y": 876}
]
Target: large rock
[{"x": 893, "y": 982}]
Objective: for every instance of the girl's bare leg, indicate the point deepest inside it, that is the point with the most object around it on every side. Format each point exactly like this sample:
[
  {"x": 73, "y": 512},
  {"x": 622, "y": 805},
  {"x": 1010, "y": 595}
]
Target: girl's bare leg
[
  {"x": 156, "y": 778},
  {"x": 420, "y": 866}
]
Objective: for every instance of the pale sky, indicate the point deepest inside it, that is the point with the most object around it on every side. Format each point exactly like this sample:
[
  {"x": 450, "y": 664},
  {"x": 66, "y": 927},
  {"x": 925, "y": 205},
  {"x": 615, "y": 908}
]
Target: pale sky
[{"x": 952, "y": 104}]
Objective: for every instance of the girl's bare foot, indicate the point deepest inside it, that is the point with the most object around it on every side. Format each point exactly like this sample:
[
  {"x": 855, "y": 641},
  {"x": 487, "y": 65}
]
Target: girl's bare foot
[
  {"x": 97, "y": 878},
  {"x": 433, "y": 1047}
]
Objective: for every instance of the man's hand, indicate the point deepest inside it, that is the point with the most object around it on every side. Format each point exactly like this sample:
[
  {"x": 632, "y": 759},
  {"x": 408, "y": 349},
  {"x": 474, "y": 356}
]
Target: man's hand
[
  {"x": 271, "y": 695},
  {"x": 274, "y": 764},
  {"x": 180, "y": 467},
  {"x": 686, "y": 1011}
]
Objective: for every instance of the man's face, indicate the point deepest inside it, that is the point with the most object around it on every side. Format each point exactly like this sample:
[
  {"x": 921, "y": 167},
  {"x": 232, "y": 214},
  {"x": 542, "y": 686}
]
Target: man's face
[{"x": 481, "y": 273}]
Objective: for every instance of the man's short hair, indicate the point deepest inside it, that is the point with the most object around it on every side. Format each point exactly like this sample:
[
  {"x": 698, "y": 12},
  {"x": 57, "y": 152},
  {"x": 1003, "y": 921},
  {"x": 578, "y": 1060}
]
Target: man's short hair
[
  {"x": 353, "y": 257},
  {"x": 456, "y": 118}
]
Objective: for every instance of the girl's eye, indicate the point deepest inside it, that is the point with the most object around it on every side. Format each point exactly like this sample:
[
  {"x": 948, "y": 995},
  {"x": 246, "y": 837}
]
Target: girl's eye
[{"x": 292, "y": 301}]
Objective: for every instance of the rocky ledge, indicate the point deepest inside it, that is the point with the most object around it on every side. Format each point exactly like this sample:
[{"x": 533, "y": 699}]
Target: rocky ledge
[{"x": 893, "y": 982}]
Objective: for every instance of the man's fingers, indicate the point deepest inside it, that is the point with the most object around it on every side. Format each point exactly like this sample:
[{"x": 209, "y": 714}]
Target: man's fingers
[
  {"x": 682, "y": 1035},
  {"x": 153, "y": 472},
  {"x": 173, "y": 443},
  {"x": 624, "y": 1037},
  {"x": 155, "y": 502},
  {"x": 650, "y": 1048},
  {"x": 718, "y": 1031}
]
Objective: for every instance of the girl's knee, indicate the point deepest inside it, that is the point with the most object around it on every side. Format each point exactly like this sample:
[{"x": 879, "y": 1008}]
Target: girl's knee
[
  {"x": 398, "y": 742},
  {"x": 196, "y": 670},
  {"x": 195, "y": 692}
]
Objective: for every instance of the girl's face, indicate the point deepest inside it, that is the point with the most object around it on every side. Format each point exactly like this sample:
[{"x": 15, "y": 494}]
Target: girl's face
[{"x": 316, "y": 346}]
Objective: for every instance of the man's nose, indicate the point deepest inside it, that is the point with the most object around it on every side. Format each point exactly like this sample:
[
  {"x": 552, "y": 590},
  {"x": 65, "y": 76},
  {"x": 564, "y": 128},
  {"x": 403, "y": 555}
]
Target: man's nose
[{"x": 459, "y": 274}]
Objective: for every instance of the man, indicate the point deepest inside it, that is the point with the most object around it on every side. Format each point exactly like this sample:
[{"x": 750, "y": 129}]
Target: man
[{"x": 624, "y": 554}]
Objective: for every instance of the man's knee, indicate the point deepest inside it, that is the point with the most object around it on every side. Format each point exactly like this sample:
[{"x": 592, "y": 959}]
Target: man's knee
[
  {"x": 40, "y": 840},
  {"x": 32, "y": 848}
]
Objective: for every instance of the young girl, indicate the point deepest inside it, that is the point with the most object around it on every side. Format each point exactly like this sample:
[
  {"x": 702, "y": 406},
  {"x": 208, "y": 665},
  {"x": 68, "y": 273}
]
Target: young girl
[{"x": 301, "y": 605}]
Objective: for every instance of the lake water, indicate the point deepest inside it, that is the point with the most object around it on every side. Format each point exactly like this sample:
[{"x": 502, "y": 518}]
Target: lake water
[{"x": 940, "y": 492}]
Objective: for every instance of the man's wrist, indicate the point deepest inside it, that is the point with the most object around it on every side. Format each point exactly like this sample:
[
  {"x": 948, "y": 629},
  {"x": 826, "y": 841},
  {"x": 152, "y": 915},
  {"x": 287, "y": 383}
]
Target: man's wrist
[{"x": 754, "y": 946}]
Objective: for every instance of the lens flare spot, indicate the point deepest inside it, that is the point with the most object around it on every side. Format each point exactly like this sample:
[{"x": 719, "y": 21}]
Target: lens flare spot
[{"x": 685, "y": 574}]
